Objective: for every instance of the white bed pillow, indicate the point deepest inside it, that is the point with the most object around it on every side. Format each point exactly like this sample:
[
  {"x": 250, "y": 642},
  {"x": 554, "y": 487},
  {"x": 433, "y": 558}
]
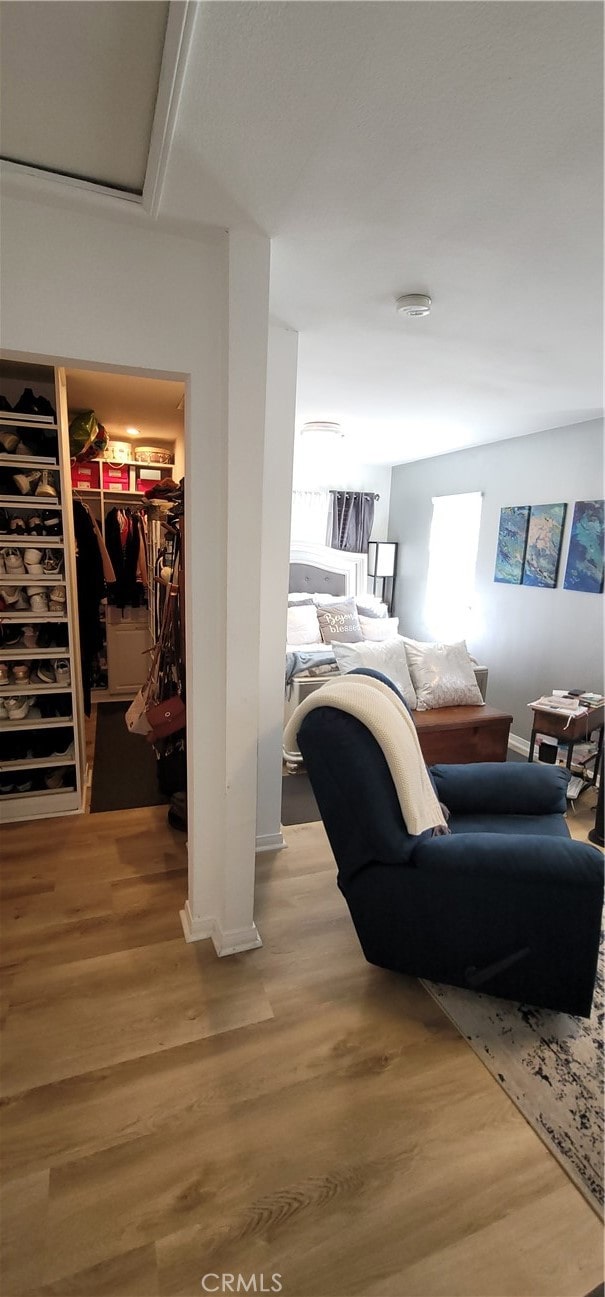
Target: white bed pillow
[
  {"x": 303, "y": 626},
  {"x": 388, "y": 656},
  {"x": 370, "y": 605},
  {"x": 378, "y": 628},
  {"x": 442, "y": 675},
  {"x": 324, "y": 600}
]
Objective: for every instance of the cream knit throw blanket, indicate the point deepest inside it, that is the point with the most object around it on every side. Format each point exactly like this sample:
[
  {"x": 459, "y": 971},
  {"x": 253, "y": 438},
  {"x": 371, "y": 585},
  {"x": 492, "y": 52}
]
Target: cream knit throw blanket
[{"x": 383, "y": 713}]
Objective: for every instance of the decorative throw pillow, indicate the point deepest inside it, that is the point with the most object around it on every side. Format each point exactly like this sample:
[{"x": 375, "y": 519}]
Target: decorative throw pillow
[
  {"x": 378, "y": 628},
  {"x": 388, "y": 657},
  {"x": 339, "y": 623},
  {"x": 443, "y": 675},
  {"x": 303, "y": 626},
  {"x": 371, "y": 608}
]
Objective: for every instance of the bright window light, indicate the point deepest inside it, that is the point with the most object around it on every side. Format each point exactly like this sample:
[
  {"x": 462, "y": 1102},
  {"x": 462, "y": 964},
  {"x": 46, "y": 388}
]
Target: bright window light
[{"x": 453, "y": 546}]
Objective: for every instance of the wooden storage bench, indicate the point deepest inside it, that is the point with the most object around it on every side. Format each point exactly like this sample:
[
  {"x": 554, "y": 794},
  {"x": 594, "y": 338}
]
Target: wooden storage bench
[{"x": 463, "y": 734}]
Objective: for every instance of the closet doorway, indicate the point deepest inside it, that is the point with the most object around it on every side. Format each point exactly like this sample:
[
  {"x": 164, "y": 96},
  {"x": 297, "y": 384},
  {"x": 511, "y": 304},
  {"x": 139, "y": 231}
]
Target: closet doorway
[{"x": 127, "y": 449}]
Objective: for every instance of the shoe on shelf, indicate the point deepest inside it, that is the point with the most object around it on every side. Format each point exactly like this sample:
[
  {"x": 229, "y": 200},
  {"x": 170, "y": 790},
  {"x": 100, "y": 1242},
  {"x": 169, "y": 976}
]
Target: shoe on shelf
[
  {"x": 18, "y": 707},
  {"x": 55, "y": 778},
  {"x": 17, "y": 526},
  {"x": 51, "y": 563},
  {"x": 5, "y": 408},
  {"x": 10, "y": 595},
  {"x": 30, "y": 637},
  {"x": 6, "y": 786},
  {"x": 26, "y": 403},
  {"x": 44, "y": 407},
  {"x": 51, "y": 523},
  {"x": 62, "y": 672},
  {"x": 58, "y": 599},
  {"x": 11, "y": 635},
  {"x": 33, "y": 561},
  {"x": 46, "y": 673},
  {"x": 20, "y": 672},
  {"x": 45, "y": 485},
  {"x": 13, "y": 562},
  {"x": 34, "y": 713},
  {"x": 8, "y": 441},
  {"x": 2, "y": 564},
  {"x": 3, "y": 673},
  {"x": 43, "y": 637},
  {"x": 3, "y": 711},
  {"x": 22, "y": 602},
  {"x": 24, "y": 785},
  {"x": 27, "y": 481},
  {"x": 35, "y": 526},
  {"x": 67, "y": 753},
  {"x": 39, "y": 601}
]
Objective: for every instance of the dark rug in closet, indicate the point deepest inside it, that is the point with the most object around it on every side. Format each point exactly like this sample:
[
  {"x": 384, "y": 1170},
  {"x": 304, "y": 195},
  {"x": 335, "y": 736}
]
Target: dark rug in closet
[
  {"x": 124, "y": 768},
  {"x": 298, "y": 805}
]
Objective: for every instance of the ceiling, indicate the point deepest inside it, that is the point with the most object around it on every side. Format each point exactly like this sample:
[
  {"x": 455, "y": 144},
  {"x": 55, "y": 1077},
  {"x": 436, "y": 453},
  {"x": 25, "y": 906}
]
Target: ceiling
[
  {"x": 454, "y": 148},
  {"x": 121, "y": 401},
  {"x": 449, "y": 148},
  {"x": 79, "y": 85}
]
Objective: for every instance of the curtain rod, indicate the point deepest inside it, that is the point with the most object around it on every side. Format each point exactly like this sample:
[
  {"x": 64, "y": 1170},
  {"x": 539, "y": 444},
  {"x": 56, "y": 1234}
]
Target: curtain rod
[{"x": 339, "y": 490}]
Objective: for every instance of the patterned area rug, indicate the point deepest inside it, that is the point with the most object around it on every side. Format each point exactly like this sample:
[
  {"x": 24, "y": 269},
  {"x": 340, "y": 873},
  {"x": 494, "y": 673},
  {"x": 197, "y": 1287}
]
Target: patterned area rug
[{"x": 551, "y": 1066}]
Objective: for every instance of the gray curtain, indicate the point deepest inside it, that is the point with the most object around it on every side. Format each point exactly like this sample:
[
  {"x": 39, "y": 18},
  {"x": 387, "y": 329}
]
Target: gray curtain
[{"x": 350, "y": 518}]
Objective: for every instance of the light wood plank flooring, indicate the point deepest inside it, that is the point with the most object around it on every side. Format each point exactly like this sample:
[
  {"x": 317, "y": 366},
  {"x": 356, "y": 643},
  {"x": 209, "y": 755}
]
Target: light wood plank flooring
[{"x": 168, "y": 1115}]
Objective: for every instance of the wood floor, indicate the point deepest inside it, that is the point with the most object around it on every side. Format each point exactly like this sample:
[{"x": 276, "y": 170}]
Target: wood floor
[{"x": 168, "y": 1115}]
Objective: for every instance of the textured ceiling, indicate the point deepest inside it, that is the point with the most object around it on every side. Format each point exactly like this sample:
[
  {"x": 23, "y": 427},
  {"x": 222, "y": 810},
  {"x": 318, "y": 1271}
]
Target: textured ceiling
[{"x": 450, "y": 148}]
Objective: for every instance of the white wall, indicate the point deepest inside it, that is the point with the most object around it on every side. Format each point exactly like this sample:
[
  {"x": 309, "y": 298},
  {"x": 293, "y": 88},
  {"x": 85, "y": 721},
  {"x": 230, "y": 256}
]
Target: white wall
[
  {"x": 330, "y": 463},
  {"x": 279, "y": 448},
  {"x": 532, "y": 640},
  {"x": 95, "y": 281}
]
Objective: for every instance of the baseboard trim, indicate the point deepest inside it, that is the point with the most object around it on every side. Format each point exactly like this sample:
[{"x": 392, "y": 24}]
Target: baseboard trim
[
  {"x": 233, "y": 941},
  {"x": 518, "y": 745},
  {"x": 195, "y": 929},
  {"x": 270, "y": 842},
  {"x": 229, "y": 942}
]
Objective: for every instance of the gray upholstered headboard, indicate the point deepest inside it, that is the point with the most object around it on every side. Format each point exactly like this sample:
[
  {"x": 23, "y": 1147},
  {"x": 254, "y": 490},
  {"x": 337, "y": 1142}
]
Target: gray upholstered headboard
[{"x": 304, "y": 576}]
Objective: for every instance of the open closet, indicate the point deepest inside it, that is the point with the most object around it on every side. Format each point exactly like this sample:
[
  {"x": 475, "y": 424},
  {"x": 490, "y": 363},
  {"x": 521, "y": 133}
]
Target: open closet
[{"x": 91, "y": 578}]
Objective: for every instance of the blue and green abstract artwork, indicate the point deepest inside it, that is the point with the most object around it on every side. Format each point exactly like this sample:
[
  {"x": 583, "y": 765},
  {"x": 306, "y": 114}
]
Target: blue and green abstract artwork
[
  {"x": 544, "y": 544},
  {"x": 512, "y": 540},
  {"x": 584, "y": 569}
]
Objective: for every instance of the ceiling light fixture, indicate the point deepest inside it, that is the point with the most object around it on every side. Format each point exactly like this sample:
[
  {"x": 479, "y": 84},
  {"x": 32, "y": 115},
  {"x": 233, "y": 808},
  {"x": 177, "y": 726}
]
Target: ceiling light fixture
[
  {"x": 413, "y": 305},
  {"x": 132, "y": 432},
  {"x": 322, "y": 426}
]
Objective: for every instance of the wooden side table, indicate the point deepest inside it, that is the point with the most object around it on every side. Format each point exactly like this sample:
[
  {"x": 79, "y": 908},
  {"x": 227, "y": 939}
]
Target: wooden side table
[
  {"x": 463, "y": 734},
  {"x": 576, "y": 729}
]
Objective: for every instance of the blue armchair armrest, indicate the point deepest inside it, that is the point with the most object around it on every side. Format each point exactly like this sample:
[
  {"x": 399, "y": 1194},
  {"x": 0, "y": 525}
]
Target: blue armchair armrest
[
  {"x": 502, "y": 788},
  {"x": 515, "y": 858}
]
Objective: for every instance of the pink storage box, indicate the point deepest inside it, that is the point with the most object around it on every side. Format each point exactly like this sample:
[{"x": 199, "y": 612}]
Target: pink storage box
[
  {"x": 146, "y": 477},
  {"x": 85, "y": 477},
  {"x": 116, "y": 477}
]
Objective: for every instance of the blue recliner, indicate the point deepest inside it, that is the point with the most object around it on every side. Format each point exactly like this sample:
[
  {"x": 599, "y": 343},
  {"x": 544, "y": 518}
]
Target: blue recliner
[{"x": 508, "y": 904}]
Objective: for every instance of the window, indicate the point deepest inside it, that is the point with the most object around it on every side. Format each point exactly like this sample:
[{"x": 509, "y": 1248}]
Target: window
[{"x": 453, "y": 546}]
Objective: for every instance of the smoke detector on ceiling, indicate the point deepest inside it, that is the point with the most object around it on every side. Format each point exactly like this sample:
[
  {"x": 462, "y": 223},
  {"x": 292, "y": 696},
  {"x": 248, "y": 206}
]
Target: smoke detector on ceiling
[
  {"x": 413, "y": 305},
  {"x": 323, "y": 427}
]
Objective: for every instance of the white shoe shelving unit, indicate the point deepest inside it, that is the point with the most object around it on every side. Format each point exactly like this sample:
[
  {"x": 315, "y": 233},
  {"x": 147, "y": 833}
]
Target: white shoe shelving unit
[{"x": 40, "y": 800}]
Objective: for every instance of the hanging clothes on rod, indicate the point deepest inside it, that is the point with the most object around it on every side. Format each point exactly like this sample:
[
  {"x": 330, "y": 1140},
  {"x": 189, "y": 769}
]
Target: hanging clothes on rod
[
  {"x": 125, "y": 539},
  {"x": 90, "y": 581}
]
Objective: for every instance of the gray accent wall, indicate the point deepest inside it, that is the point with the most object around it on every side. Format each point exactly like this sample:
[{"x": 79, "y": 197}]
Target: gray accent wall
[{"x": 532, "y": 640}]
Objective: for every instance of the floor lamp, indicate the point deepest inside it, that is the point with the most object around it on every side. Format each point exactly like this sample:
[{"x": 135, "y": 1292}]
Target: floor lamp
[{"x": 382, "y": 560}]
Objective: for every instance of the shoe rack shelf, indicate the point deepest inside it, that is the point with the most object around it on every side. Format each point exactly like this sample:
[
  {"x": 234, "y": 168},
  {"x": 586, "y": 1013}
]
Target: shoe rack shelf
[
  {"x": 36, "y": 763},
  {"x": 30, "y": 502},
  {"x": 39, "y": 687},
  {"x": 31, "y": 542},
  {"x": 38, "y": 723},
  {"x": 25, "y": 578},
  {"x": 67, "y": 799},
  {"x": 28, "y": 617},
  {"x": 28, "y": 461},
  {"x": 16, "y": 654}
]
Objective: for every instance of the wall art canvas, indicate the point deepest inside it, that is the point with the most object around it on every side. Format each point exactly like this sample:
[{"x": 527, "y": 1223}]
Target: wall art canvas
[
  {"x": 512, "y": 540},
  {"x": 544, "y": 544},
  {"x": 584, "y": 569}
]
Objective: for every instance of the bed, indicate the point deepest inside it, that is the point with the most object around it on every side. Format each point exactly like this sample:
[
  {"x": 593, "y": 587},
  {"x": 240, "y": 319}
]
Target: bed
[{"x": 318, "y": 571}]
